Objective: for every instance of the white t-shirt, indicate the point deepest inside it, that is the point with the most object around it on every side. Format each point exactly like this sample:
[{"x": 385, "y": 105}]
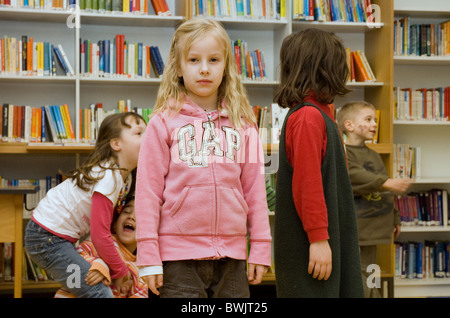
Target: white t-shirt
[{"x": 66, "y": 209}]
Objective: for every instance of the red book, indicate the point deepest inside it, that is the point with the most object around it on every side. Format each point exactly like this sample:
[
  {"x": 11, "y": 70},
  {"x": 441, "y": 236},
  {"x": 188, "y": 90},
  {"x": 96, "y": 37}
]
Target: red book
[
  {"x": 164, "y": 7},
  {"x": 156, "y": 7}
]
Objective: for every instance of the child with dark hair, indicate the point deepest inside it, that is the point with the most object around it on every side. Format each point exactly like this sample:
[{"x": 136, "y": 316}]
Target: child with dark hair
[
  {"x": 83, "y": 204},
  {"x": 315, "y": 237}
]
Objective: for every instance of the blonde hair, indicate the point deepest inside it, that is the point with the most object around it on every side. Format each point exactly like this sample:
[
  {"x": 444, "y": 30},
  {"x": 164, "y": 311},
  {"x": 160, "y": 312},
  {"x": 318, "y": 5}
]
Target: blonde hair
[
  {"x": 349, "y": 110},
  {"x": 172, "y": 90}
]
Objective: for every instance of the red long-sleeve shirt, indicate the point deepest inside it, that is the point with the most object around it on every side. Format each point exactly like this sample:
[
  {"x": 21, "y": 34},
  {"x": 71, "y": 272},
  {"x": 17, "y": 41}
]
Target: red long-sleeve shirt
[
  {"x": 306, "y": 141},
  {"x": 101, "y": 218}
]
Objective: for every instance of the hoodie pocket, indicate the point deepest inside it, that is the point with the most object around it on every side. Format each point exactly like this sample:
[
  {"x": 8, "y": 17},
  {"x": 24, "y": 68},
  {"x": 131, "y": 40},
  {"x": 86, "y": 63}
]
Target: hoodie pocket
[
  {"x": 232, "y": 212},
  {"x": 192, "y": 213}
]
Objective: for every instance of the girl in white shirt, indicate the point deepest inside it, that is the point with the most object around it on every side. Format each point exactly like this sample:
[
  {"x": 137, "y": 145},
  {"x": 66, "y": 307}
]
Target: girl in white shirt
[{"x": 84, "y": 204}]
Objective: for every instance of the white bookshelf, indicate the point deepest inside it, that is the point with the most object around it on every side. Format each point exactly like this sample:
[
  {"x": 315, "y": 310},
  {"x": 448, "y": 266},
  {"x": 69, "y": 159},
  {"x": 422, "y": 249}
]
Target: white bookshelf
[{"x": 430, "y": 135}]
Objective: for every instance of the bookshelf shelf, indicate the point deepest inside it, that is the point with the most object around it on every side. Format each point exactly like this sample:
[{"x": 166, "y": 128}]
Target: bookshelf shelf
[
  {"x": 338, "y": 27},
  {"x": 35, "y": 78},
  {"x": 425, "y": 229},
  {"x": 129, "y": 19},
  {"x": 422, "y": 122},
  {"x": 251, "y": 24},
  {"x": 34, "y": 15},
  {"x": 421, "y": 60}
]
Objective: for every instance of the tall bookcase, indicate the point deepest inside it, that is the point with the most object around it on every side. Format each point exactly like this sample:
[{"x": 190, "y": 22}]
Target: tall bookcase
[
  {"x": 431, "y": 136},
  {"x": 23, "y": 161}
]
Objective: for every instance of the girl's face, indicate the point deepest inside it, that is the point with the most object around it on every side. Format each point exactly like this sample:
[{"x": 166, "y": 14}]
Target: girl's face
[
  {"x": 129, "y": 143},
  {"x": 125, "y": 227},
  {"x": 203, "y": 70}
]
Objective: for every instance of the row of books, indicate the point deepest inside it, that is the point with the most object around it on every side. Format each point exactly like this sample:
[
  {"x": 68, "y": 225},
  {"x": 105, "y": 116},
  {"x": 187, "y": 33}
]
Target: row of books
[
  {"x": 91, "y": 118},
  {"x": 422, "y": 260},
  {"x": 36, "y": 124},
  {"x": 407, "y": 161},
  {"x": 359, "y": 67},
  {"x": 421, "y": 39},
  {"x": 332, "y": 10},
  {"x": 38, "y": 4},
  {"x": 250, "y": 9},
  {"x": 428, "y": 208},
  {"x": 53, "y": 123},
  {"x": 118, "y": 57},
  {"x": 422, "y": 103},
  {"x": 25, "y": 56},
  {"x": 251, "y": 64},
  {"x": 160, "y": 7}
]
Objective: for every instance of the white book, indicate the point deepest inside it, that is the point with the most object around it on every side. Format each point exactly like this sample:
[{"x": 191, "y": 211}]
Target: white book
[{"x": 66, "y": 60}]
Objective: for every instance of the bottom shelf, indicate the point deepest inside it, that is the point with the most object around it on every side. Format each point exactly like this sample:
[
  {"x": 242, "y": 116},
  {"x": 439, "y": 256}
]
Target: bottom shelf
[
  {"x": 30, "y": 285},
  {"x": 428, "y": 287}
]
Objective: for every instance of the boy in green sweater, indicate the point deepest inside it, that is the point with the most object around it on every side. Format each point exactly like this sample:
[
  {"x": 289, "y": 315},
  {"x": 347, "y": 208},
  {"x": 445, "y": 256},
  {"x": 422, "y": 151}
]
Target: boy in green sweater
[{"x": 377, "y": 218}]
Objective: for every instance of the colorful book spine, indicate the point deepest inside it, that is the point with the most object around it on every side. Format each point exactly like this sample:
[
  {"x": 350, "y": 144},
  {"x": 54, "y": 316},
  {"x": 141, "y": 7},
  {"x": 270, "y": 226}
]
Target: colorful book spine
[
  {"x": 119, "y": 58},
  {"x": 250, "y": 64},
  {"x": 241, "y": 9}
]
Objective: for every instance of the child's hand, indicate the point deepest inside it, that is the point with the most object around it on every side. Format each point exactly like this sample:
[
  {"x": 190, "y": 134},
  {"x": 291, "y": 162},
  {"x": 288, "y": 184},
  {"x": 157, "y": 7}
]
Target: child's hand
[
  {"x": 255, "y": 273},
  {"x": 94, "y": 277},
  {"x": 320, "y": 260},
  {"x": 397, "y": 186},
  {"x": 153, "y": 282},
  {"x": 123, "y": 284}
]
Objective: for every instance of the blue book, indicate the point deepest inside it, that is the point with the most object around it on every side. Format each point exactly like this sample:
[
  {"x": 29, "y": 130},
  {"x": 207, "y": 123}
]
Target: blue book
[
  {"x": 419, "y": 260},
  {"x": 52, "y": 124},
  {"x": 46, "y": 59},
  {"x": 61, "y": 60},
  {"x": 139, "y": 72},
  {"x": 107, "y": 56},
  {"x": 101, "y": 51},
  {"x": 239, "y": 8},
  {"x": 60, "y": 121},
  {"x": 43, "y": 125}
]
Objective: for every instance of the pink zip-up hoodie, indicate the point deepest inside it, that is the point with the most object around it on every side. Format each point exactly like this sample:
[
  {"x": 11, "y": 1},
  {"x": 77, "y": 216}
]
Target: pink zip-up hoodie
[{"x": 200, "y": 190}]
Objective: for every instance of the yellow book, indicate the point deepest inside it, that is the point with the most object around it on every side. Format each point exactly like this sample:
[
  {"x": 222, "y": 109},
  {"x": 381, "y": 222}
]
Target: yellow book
[
  {"x": 283, "y": 8},
  {"x": 377, "y": 134},
  {"x": 40, "y": 58},
  {"x": 126, "y": 6},
  {"x": 64, "y": 120},
  {"x": 69, "y": 121}
]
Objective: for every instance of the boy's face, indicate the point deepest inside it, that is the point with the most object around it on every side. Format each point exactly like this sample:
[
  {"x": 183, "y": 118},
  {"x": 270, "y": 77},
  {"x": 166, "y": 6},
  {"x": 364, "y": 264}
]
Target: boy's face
[
  {"x": 364, "y": 124},
  {"x": 126, "y": 226}
]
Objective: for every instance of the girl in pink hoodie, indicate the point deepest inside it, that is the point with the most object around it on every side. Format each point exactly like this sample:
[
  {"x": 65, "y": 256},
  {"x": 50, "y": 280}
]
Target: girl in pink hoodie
[{"x": 200, "y": 191}]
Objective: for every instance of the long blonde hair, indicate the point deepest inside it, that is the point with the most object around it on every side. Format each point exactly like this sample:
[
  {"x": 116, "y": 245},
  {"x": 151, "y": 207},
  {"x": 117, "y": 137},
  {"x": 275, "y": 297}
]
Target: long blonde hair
[{"x": 230, "y": 90}]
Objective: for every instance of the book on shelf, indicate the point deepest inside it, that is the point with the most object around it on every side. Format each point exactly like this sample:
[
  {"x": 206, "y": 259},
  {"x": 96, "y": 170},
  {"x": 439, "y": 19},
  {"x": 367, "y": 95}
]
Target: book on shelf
[
  {"x": 407, "y": 161},
  {"x": 119, "y": 58},
  {"x": 250, "y": 64},
  {"x": 422, "y": 260},
  {"x": 278, "y": 115},
  {"x": 25, "y": 56},
  {"x": 332, "y": 11},
  {"x": 91, "y": 118},
  {"x": 359, "y": 67},
  {"x": 37, "y": 4},
  {"x": 426, "y": 208},
  {"x": 422, "y": 104},
  {"x": 29, "y": 124},
  {"x": 241, "y": 9},
  {"x": 421, "y": 39},
  {"x": 138, "y": 7}
]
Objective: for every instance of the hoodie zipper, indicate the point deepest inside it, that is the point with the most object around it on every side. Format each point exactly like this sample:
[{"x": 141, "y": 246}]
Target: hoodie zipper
[{"x": 213, "y": 168}]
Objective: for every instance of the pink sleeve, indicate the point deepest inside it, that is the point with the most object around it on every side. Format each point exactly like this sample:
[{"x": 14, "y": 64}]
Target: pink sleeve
[
  {"x": 101, "y": 218},
  {"x": 153, "y": 165},
  {"x": 254, "y": 189}
]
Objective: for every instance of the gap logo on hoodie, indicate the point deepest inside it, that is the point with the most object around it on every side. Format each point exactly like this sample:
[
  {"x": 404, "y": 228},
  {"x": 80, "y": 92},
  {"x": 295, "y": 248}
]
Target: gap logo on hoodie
[{"x": 195, "y": 156}]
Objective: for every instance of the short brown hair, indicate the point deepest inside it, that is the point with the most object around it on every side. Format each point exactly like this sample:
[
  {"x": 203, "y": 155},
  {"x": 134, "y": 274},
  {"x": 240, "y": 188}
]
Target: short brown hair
[
  {"x": 347, "y": 111},
  {"x": 311, "y": 59}
]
